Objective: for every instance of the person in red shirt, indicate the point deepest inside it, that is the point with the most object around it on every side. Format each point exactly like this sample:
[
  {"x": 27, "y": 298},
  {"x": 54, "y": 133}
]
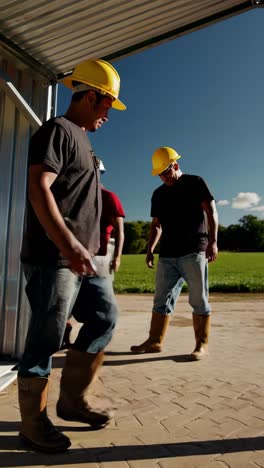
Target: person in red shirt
[
  {"x": 112, "y": 219},
  {"x": 107, "y": 262}
]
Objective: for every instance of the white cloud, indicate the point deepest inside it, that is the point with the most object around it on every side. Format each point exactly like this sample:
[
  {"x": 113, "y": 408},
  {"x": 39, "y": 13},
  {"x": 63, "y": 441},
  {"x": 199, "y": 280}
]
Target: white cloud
[
  {"x": 246, "y": 201},
  {"x": 259, "y": 208},
  {"x": 222, "y": 202}
]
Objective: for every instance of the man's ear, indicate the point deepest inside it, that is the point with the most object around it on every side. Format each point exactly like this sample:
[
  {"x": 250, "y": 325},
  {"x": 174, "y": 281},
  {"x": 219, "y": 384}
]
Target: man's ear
[
  {"x": 90, "y": 96},
  {"x": 176, "y": 166}
]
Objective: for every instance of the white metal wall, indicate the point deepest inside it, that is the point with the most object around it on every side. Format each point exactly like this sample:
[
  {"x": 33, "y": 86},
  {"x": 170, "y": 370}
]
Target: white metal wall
[{"x": 15, "y": 130}]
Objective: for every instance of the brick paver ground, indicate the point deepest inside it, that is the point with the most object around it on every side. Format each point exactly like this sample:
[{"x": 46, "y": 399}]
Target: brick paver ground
[{"x": 170, "y": 412}]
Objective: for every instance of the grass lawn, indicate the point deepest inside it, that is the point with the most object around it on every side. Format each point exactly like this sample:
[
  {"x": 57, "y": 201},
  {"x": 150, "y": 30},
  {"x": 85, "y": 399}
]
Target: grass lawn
[{"x": 231, "y": 272}]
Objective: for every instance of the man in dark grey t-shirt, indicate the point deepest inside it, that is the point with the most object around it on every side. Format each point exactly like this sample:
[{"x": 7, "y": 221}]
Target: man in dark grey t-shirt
[
  {"x": 61, "y": 236},
  {"x": 65, "y": 150}
]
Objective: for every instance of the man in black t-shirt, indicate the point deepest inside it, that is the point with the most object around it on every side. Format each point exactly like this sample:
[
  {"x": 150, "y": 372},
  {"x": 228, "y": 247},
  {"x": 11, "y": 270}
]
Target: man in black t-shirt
[
  {"x": 178, "y": 209},
  {"x": 61, "y": 237}
]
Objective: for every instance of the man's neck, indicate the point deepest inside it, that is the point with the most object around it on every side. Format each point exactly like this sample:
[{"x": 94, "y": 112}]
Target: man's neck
[{"x": 75, "y": 118}]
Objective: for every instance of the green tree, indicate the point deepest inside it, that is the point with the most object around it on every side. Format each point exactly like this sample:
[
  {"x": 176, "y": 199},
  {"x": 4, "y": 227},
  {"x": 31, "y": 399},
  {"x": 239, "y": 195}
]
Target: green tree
[
  {"x": 222, "y": 238},
  {"x": 246, "y": 236},
  {"x": 135, "y": 237},
  {"x": 253, "y": 233}
]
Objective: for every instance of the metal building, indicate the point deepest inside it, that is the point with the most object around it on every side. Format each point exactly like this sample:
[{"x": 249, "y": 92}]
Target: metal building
[{"x": 40, "y": 41}]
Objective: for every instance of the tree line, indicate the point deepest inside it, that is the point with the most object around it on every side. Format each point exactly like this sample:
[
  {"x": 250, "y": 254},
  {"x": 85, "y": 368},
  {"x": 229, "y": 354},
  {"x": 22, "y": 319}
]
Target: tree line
[{"x": 246, "y": 236}]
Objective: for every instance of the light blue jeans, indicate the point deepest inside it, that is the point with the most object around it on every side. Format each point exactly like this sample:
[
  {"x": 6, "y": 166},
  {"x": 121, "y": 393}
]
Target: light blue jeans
[
  {"x": 54, "y": 294},
  {"x": 171, "y": 274}
]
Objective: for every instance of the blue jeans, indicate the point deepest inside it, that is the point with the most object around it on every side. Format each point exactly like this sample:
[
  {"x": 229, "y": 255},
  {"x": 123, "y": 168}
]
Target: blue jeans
[
  {"x": 53, "y": 294},
  {"x": 171, "y": 272}
]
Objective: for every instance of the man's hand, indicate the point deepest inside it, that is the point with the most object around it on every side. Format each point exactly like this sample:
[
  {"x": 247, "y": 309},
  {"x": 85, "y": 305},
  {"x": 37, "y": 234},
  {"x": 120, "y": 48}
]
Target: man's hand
[
  {"x": 212, "y": 251},
  {"x": 150, "y": 260},
  {"x": 79, "y": 260},
  {"x": 115, "y": 264}
]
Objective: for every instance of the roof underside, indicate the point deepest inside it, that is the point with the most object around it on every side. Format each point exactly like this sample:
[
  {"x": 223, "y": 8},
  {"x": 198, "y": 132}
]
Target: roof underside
[{"x": 52, "y": 36}]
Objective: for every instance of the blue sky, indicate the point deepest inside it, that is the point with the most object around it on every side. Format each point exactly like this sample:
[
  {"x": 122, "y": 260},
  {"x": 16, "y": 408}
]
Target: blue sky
[{"x": 202, "y": 94}]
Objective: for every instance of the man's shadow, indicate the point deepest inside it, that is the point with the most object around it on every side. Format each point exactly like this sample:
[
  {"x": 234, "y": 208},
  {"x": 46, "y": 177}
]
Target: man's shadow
[
  {"x": 104, "y": 454},
  {"x": 137, "y": 358},
  {"x": 58, "y": 361}
]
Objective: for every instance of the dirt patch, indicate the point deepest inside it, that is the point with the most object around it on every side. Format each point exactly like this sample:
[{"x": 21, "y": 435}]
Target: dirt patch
[
  {"x": 260, "y": 323},
  {"x": 138, "y": 303},
  {"x": 177, "y": 321},
  {"x": 214, "y": 297},
  {"x": 222, "y": 297}
]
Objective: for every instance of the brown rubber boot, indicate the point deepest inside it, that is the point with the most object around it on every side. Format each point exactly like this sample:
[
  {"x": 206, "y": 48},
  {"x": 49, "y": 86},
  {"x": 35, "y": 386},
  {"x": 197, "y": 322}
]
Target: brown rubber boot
[
  {"x": 37, "y": 430},
  {"x": 158, "y": 328},
  {"x": 201, "y": 325},
  {"x": 77, "y": 375}
]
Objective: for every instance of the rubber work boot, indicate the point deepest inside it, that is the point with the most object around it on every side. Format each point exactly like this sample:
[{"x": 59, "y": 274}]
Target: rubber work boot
[
  {"x": 37, "y": 430},
  {"x": 201, "y": 325},
  {"x": 158, "y": 328},
  {"x": 77, "y": 375},
  {"x": 66, "y": 344}
]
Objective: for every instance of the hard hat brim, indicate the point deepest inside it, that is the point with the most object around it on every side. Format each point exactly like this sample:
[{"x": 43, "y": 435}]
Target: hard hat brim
[
  {"x": 159, "y": 170},
  {"x": 117, "y": 104}
]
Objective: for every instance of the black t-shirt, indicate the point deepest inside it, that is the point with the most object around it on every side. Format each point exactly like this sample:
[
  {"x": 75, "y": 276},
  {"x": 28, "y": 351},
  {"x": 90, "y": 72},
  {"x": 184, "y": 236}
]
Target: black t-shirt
[
  {"x": 64, "y": 148},
  {"x": 183, "y": 221}
]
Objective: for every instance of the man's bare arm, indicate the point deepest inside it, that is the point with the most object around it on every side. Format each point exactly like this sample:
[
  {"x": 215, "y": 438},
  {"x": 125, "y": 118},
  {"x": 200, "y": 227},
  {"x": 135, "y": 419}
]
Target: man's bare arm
[
  {"x": 212, "y": 216},
  {"x": 40, "y": 180},
  {"x": 119, "y": 242},
  {"x": 154, "y": 237}
]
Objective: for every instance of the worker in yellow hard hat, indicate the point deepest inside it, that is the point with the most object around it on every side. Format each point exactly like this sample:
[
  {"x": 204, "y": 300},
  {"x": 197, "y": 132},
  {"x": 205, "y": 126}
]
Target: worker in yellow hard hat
[
  {"x": 182, "y": 208},
  {"x": 96, "y": 75},
  {"x": 61, "y": 237}
]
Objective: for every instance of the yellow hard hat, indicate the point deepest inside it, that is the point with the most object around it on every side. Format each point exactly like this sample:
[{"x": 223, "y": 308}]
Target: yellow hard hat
[
  {"x": 101, "y": 76},
  {"x": 162, "y": 158}
]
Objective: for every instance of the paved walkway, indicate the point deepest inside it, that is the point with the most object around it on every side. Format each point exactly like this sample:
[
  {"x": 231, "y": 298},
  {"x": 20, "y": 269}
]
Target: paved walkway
[{"x": 170, "y": 412}]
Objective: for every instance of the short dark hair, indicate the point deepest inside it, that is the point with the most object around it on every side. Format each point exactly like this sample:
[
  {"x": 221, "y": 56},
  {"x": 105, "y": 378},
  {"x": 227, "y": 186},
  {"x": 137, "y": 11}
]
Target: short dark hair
[{"x": 76, "y": 97}]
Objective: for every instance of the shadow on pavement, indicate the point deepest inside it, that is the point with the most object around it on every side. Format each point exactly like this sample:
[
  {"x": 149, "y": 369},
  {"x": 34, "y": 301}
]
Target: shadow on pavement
[
  {"x": 14, "y": 426},
  {"x": 137, "y": 359},
  {"x": 58, "y": 361},
  {"x": 122, "y": 453}
]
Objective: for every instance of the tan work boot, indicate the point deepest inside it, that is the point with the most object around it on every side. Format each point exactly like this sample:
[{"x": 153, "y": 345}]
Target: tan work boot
[
  {"x": 201, "y": 326},
  {"x": 158, "y": 328},
  {"x": 37, "y": 430},
  {"x": 77, "y": 375}
]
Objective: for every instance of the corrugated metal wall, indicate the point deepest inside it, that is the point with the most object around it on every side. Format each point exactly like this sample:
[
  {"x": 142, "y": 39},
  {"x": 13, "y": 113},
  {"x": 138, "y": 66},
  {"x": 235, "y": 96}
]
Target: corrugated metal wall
[
  {"x": 15, "y": 131},
  {"x": 59, "y": 34}
]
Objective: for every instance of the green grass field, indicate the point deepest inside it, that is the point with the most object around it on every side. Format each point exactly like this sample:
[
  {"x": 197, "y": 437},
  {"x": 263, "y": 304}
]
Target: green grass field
[{"x": 231, "y": 272}]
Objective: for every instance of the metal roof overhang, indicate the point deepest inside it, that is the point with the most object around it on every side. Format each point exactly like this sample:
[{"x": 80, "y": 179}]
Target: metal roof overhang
[{"x": 52, "y": 36}]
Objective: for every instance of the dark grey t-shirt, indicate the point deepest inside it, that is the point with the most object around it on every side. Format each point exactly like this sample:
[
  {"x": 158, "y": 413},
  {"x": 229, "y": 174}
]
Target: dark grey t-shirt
[
  {"x": 183, "y": 221},
  {"x": 66, "y": 150}
]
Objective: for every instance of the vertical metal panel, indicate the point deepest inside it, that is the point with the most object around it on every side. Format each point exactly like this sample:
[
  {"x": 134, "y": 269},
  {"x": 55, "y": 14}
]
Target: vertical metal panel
[
  {"x": 6, "y": 159},
  {"x": 15, "y": 131},
  {"x": 23, "y": 318},
  {"x": 16, "y": 216},
  {"x": 36, "y": 95}
]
